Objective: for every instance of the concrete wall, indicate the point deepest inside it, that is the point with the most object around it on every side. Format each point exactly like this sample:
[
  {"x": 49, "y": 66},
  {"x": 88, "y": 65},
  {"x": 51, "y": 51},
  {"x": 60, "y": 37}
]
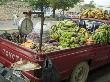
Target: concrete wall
[{"x": 7, "y": 11}]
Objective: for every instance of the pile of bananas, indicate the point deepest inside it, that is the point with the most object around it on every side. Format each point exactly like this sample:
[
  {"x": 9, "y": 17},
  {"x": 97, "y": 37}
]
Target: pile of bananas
[
  {"x": 95, "y": 13},
  {"x": 68, "y": 34},
  {"x": 28, "y": 44},
  {"x": 108, "y": 35},
  {"x": 102, "y": 34},
  {"x": 65, "y": 34}
]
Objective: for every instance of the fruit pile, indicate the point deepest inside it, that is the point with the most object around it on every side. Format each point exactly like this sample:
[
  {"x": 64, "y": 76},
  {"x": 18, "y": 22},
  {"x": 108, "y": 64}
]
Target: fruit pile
[
  {"x": 14, "y": 37},
  {"x": 68, "y": 34},
  {"x": 35, "y": 46},
  {"x": 64, "y": 35},
  {"x": 28, "y": 44},
  {"x": 95, "y": 13},
  {"x": 102, "y": 34}
]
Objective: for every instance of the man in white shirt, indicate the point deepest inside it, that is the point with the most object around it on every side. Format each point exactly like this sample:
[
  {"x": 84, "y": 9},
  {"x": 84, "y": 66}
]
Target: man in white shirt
[{"x": 15, "y": 19}]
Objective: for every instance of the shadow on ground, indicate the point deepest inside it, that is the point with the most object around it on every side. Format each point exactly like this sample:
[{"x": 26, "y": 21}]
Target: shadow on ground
[{"x": 99, "y": 75}]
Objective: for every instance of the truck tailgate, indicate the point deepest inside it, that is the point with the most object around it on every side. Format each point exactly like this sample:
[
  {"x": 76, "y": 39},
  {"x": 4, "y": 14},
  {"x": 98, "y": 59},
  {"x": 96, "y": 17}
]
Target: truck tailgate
[{"x": 13, "y": 52}]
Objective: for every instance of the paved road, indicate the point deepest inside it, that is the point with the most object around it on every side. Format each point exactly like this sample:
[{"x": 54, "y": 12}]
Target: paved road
[
  {"x": 8, "y": 24},
  {"x": 100, "y": 75}
]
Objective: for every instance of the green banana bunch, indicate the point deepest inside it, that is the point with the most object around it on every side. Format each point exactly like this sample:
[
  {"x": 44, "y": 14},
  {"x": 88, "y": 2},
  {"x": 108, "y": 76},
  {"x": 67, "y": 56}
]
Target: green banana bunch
[
  {"x": 68, "y": 34},
  {"x": 101, "y": 34}
]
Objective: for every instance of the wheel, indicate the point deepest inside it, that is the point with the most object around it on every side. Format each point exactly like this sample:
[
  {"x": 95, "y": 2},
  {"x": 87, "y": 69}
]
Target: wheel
[{"x": 80, "y": 72}]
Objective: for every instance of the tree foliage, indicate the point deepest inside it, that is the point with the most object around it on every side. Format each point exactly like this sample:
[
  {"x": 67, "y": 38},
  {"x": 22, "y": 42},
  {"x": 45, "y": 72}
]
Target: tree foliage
[
  {"x": 62, "y": 4},
  {"x": 38, "y": 3},
  {"x": 90, "y": 5},
  {"x": 3, "y": 2}
]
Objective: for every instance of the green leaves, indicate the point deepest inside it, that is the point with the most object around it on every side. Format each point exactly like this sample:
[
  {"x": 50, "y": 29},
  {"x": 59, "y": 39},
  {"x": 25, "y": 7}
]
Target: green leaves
[{"x": 62, "y": 4}]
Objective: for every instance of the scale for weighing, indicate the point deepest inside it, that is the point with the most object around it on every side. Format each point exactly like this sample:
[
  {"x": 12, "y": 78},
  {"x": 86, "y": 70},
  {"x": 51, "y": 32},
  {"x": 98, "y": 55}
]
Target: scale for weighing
[{"x": 25, "y": 25}]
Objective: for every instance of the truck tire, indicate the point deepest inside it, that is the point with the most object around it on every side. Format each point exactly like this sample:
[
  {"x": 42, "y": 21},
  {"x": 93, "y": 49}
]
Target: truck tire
[{"x": 80, "y": 72}]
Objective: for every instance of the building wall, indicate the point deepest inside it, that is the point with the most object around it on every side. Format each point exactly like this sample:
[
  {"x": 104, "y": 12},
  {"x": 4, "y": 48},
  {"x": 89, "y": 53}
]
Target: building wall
[{"x": 14, "y": 7}]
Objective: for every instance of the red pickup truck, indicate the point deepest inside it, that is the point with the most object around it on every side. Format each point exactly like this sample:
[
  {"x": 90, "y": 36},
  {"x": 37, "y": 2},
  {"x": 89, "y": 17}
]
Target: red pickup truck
[{"x": 74, "y": 63}]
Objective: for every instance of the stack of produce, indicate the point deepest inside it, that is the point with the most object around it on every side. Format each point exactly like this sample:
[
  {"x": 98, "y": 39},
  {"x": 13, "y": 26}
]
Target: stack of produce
[
  {"x": 64, "y": 34},
  {"x": 28, "y": 44},
  {"x": 95, "y": 13},
  {"x": 102, "y": 34},
  {"x": 14, "y": 37},
  {"x": 35, "y": 46},
  {"x": 108, "y": 35},
  {"x": 68, "y": 34}
]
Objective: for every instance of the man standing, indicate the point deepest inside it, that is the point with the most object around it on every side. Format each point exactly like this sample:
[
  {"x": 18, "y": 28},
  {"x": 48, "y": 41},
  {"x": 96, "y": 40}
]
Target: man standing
[{"x": 15, "y": 19}]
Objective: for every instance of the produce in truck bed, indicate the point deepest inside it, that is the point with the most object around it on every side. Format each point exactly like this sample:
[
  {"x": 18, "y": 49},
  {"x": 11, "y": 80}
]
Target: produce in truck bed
[
  {"x": 89, "y": 41},
  {"x": 14, "y": 37},
  {"x": 35, "y": 46},
  {"x": 102, "y": 34},
  {"x": 68, "y": 34},
  {"x": 28, "y": 44},
  {"x": 64, "y": 35}
]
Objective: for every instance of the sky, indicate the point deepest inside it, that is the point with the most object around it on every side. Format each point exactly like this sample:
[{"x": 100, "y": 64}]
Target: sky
[{"x": 99, "y": 2}]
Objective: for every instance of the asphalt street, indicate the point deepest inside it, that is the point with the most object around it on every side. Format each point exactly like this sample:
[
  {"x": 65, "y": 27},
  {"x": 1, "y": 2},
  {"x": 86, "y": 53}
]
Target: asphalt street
[
  {"x": 100, "y": 75},
  {"x": 9, "y": 24}
]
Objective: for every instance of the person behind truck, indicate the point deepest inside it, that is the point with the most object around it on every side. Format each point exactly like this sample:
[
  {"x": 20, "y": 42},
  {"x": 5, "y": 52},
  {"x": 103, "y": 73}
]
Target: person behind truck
[
  {"x": 95, "y": 26},
  {"x": 81, "y": 23},
  {"x": 15, "y": 19}
]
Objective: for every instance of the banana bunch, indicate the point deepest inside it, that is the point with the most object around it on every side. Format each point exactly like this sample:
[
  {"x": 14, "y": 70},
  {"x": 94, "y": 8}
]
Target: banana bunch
[
  {"x": 28, "y": 44},
  {"x": 68, "y": 34},
  {"x": 101, "y": 34},
  {"x": 108, "y": 36},
  {"x": 95, "y": 13}
]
